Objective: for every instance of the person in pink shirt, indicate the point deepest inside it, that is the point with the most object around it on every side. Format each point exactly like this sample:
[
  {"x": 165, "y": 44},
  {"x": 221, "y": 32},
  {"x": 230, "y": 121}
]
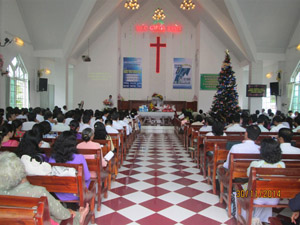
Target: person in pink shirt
[
  {"x": 7, "y": 132},
  {"x": 87, "y": 137}
]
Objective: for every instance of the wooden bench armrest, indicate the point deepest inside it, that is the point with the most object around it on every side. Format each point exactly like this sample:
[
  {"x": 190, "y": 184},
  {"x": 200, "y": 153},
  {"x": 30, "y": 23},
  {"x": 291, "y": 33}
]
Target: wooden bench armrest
[
  {"x": 90, "y": 193},
  {"x": 274, "y": 221},
  {"x": 67, "y": 221}
]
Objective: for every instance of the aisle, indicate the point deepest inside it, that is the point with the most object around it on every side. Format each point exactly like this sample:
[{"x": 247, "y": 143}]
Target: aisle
[{"x": 159, "y": 184}]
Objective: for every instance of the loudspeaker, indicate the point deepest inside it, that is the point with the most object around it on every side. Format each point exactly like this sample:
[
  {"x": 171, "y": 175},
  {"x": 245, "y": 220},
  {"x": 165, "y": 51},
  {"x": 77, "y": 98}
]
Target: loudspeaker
[
  {"x": 43, "y": 84},
  {"x": 274, "y": 88}
]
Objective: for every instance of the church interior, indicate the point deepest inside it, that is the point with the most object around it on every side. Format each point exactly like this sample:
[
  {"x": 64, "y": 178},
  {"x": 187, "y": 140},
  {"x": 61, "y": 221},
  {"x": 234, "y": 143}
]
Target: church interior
[{"x": 155, "y": 55}]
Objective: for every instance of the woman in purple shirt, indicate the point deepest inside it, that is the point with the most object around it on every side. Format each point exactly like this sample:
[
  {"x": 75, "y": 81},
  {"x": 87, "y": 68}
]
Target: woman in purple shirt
[{"x": 65, "y": 151}]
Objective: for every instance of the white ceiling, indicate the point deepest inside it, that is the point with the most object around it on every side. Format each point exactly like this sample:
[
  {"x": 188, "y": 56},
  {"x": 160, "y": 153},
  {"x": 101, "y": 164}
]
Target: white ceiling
[{"x": 247, "y": 27}]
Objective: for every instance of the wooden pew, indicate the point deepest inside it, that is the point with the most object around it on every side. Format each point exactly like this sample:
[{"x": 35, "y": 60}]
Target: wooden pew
[
  {"x": 237, "y": 172},
  {"x": 267, "y": 183},
  {"x": 208, "y": 145},
  {"x": 74, "y": 185},
  {"x": 26, "y": 211},
  {"x": 119, "y": 153},
  {"x": 190, "y": 129},
  {"x": 98, "y": 173},
  {"x": 219, "y": 156}
]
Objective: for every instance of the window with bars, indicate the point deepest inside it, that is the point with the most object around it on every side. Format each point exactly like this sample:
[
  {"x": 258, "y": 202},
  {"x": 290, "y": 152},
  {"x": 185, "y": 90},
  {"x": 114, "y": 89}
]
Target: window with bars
[
  {"x": 269, "y": 102},
  {"x": 18, "y": 84},
  {"x": 295, "y": 98}
]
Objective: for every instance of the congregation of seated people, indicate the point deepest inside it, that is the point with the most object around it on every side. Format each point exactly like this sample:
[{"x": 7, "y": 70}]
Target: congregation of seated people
[
  {"x": 251, "y": 126},
  {"x": 28, "y": 131}
]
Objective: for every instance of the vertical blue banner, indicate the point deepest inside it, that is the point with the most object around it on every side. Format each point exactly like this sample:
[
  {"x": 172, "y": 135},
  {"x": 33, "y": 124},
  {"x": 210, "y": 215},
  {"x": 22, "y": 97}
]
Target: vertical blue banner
[
  {"x": 182, "y": 74},
  {"x": 132, "y": 72}
]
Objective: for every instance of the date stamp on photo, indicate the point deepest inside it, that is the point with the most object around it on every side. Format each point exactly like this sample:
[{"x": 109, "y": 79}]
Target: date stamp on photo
[{"x": 258, "y": 194}]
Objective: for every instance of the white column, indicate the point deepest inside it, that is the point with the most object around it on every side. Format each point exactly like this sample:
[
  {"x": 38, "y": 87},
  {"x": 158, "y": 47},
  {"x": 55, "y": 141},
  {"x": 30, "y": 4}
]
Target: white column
[{"x": 255, "y": 77}]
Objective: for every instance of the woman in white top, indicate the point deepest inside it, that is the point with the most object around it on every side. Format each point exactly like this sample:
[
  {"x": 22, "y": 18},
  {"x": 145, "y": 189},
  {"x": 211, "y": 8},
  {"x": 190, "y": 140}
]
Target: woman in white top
[
  {"x": 271, "y": 158},
  {"x": 29, "y": 151}
]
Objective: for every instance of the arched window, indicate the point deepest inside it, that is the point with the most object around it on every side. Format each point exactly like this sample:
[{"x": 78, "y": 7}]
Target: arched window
[
  {"x": 295, "y": 98},
  {"x": 18, "y": 84}
]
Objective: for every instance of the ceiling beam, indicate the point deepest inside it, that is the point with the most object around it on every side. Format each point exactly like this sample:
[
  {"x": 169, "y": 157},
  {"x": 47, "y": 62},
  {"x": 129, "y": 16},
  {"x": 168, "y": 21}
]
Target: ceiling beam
[
  {"x": 94, "y": 22},
  {"x": 224, "y": 23},
  {"x": 77, "y": 25},
  {"x": 242, "y": 28}
]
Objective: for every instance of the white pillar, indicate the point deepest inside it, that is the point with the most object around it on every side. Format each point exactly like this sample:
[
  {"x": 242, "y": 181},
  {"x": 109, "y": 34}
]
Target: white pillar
[{"x": 255, "y": 77}]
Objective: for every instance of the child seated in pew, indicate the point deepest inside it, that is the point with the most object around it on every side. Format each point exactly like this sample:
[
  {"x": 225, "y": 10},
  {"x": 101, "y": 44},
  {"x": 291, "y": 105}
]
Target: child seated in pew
[
  {"x": 65, "y": 151},
  {"x": 47, "y": 129},
  {"x": 29, "y": 151},
  {"x": 271, "y": 158},
  {"x": 38, "y": 129},
  {"x": 74, "y": 127},
  {"x": 17, "y": 125},
  {"x": 13, "y": 175},
  {"x": 87, "y": 137},
  {"x": 7, "y": 132},
  {"x": 101, "y": 134}
]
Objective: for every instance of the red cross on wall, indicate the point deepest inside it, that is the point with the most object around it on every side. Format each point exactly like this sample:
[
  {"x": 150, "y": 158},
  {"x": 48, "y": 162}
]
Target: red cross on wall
[{"x": 158, "y": 45}]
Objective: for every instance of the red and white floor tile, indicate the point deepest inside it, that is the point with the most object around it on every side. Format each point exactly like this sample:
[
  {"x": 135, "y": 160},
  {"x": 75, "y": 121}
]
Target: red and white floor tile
[{"x": 159, "y": 184}]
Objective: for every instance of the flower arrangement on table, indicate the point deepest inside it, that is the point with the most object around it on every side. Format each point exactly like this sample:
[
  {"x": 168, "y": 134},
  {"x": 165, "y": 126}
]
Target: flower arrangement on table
[
  {"x": 107, "y": 103},
  {"x": 168, "y": 108},
  {"x": 155, "y": 95},
  {"x": 120, "y": 98}
]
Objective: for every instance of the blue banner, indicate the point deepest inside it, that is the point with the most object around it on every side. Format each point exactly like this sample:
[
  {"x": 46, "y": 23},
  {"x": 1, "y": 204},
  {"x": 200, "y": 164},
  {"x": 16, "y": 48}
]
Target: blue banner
[
  {"x": 182, "y": 75},
  {"x": 132, "y": 72}
]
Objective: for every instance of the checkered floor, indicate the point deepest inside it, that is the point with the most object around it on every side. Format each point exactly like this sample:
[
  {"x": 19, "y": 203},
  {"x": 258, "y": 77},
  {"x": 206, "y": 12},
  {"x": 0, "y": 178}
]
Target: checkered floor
[{"x": 159, "y": 184}]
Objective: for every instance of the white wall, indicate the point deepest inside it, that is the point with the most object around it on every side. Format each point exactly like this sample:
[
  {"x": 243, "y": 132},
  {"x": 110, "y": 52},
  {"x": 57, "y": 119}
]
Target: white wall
[
  {"x": 211, "y": 57},
  {"x": 57, "y": 78},
  {"x": 95, "y": 80},
  {"x": 11, "y": 24},
  {"x": 181, "y": 45}
]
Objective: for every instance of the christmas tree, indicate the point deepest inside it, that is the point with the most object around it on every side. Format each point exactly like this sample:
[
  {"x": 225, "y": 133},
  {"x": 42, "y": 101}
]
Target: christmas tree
[{"x": 226, "y": 99}]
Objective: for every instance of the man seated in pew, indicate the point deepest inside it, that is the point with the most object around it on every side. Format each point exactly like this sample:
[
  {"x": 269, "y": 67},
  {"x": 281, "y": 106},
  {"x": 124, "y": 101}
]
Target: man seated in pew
[
  {"x": 209, "y": 121},
  {"x": 277, "y": 121},
  {"x": 86, "y": 121},
  {"x": 261, "y": 122},
  {"x": 65, "y": 151},
  {"x": 115, "y": 121},
  {"x": 109, "y": 128},
  {"x": 271, "y": 158},
  {"x": 297, "y": 125},
  {"x": 217, "y": 129},
  {"x": 123, "y": 123},
  {"x": 88, "y": 137},
  {"x": 285, "y": 136},
  {"x": 30, "y": 123},
  {"x": 248, "y": 146},
  {"x": 60, "y": 126},
  {"x": 236, "y": 127},
  {"x": 14, "y": 182}
]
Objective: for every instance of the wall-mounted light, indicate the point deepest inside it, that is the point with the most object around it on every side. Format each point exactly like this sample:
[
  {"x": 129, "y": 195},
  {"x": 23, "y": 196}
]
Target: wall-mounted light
[
  {"x": 7, "y": 41},
  {"x": 269, "y": 75},
  {"x": 45, "y": 71},
  {"x": 298, "y": 47}
]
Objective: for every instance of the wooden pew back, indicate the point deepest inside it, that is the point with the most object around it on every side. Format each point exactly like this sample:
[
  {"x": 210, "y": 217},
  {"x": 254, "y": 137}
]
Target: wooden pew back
[
  {"x": 267, "y": 183},
  {"x": 24, "y": 210}
]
